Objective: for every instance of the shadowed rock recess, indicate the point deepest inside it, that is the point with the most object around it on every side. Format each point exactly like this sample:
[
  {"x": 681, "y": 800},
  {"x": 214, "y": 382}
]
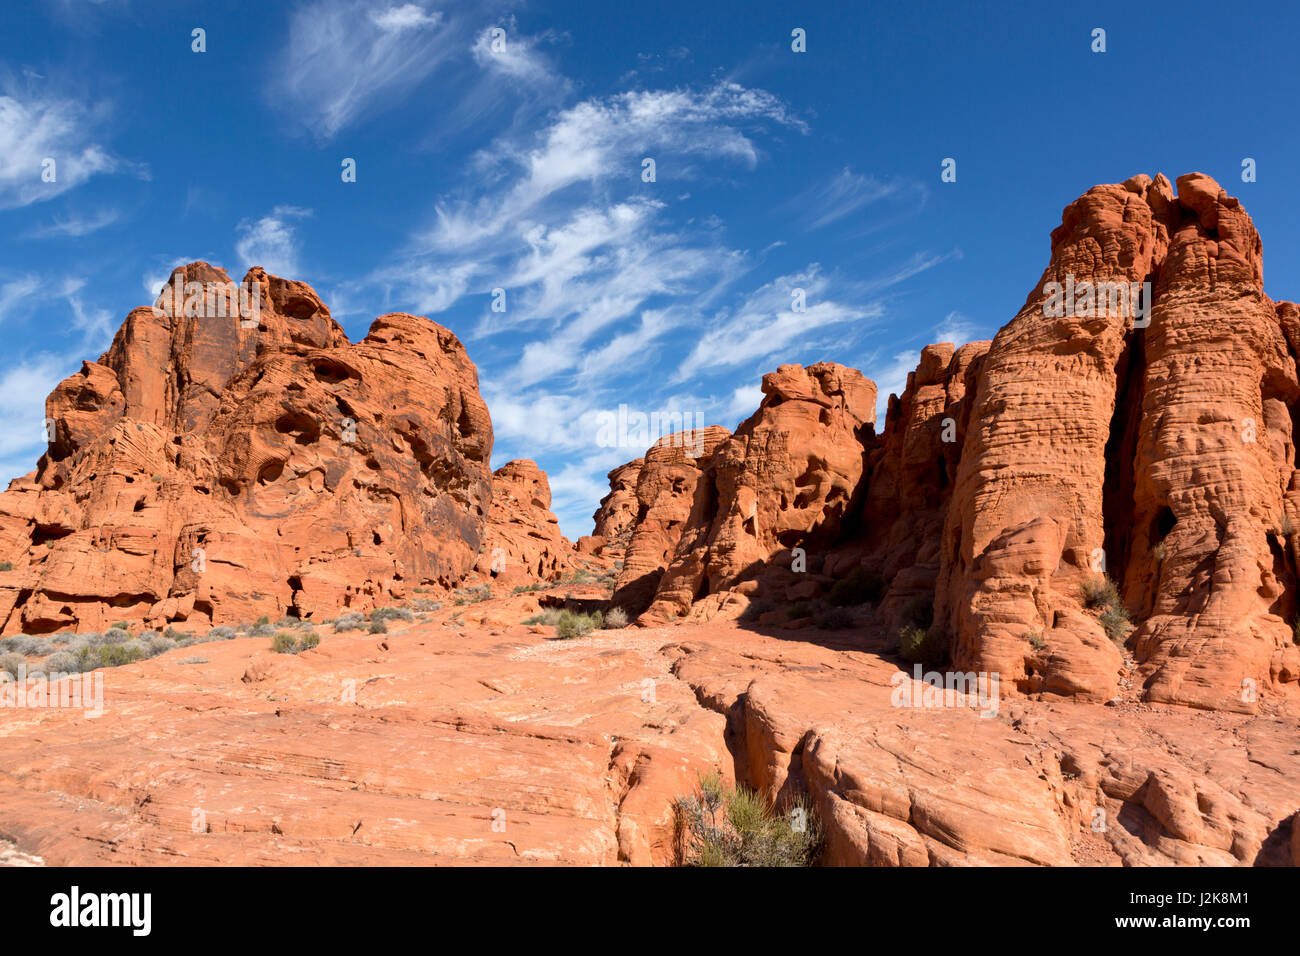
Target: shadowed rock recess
[{"x": 1098, "y": 510}]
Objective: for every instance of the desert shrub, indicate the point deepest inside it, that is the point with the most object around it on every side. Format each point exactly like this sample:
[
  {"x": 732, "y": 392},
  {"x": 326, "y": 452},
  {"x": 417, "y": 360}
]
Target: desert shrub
[
  {"x": 526, "y": 588},
  {"x": 62, "y": 638},
  {"x": 1099, "y": 593},
  {"x": 262, "y": 621},
  {"x": 425, "y": 606},
  {"x": 221, "y": 633},
  {"x": 6, "y": 565},
  {"x": 352, "y": 621},
  {"x": 92, "y": 657},
  {"x": 835, "y": 619},
  {"x": 1115, "y": 622},
  {"x": 723, "y": 826},
  {"x": 114, "y": 635},
  {"x": 1035, "y": 639},
  {"x": 550, "y": 616},
  {"x": 10, "y": 661},
  {"x": 287, "y": 621},
  {"x": 262, "y": 630},
  {"x": 378, "y": 627},
  {"x": 919, "y": 610},
  {"x": 860, "y": 587},
  {"x": 308, "y": 641},
  {"x": 616, "y": 617},
  {"x": 193, "y": 660},
  {"x": 1158, "y": 552},
  {"x": 472, "y": 595},
  {"x": 797, "y": 610},
  {"x": 27, "y": 645},
  {"x": 61, "y": 662},
  {"x": 756, "y": 609},
  {"x": 570, "y": 624},
  {"x": 156, "y": 644},
  {"x": 926, "y": 646},
  {"x": 392, "y": 613},
  {"x": 284, "y": 643}
]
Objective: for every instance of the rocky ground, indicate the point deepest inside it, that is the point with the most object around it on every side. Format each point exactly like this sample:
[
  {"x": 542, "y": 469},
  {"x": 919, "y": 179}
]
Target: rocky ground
[{"x": 472, "y": 738}]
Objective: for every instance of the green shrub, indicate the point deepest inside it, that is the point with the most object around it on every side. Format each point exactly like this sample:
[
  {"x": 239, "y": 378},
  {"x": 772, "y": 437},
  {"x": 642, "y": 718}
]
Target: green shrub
[
  {"x": 425, "y": 606},
  {"x": 1035, "y": 639},
  {"x": 722, "y": 826},
  {"x": 1115, "y": 622},
  {"x": 6, "y": 565},
  {"x": 1100, "y": 592},
  {"x": 120, "y": 626},
  {"x": 262, "y": 621},
  {"x": 11, "y": 662},
  {"x": 378, "y": 627},
  {"x": 221, "y": 633},
  {"x": 472, "y": 595},
  {"x": 284, "y": 643},
  {"x": 860, "y": 587},
  {"x": 572, "y": 625},
  {"x": 797, "y": 610},
  {"x": 308, "y": 641},
  {"x": 925, "y": 646}
]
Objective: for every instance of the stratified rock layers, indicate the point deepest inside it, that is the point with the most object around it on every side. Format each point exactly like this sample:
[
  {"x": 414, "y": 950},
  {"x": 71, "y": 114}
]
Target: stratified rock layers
[
  {"x": 221, "y": 468},
  {"x": 1134, "y": 420}
]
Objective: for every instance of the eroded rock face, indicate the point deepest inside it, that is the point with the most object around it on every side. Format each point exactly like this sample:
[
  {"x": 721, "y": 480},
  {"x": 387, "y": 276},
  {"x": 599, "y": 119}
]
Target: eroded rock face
[
  {"x": 522, "y": 541},
  {"x": 1135, "y": 420},
  {"x": 618, "y": 509},
  {"x": 211, "y": 469},
  {"x": 787, "y": 478},
  {"x": 1158, "y": 455},
  {"x": 667, "y": 504}
]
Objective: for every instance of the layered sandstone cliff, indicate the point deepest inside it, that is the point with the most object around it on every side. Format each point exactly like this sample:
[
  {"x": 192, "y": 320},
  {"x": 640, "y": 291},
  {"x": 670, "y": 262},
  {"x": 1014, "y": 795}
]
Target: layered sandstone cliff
[
  {"x": 1133, "y": 422},
  {"x": 219, "y": 468}
]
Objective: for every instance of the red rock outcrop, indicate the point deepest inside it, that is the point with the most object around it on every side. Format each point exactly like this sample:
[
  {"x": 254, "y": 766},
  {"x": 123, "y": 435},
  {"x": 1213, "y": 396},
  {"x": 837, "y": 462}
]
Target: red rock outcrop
[
  {"x": 618, "y": 509},
  {"x": 667, "y": 498},
  {"x": 786, "y": 479},
  {"x": 214, "y": 466},
  {"x": 1157, "y": 454},
  {"x": 1134, "y": 420},
  {"x": 522, "y": 541}
]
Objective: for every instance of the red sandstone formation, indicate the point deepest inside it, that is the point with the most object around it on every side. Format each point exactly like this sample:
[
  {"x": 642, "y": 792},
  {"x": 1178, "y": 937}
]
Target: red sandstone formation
[
  {"x": 220, "y": 468},
  {"x": 667, "y": 499},
  {"x": 785, "y": 479},
  {"x": 1154, "y": 447},
  {"x": 522, "y": 544}
]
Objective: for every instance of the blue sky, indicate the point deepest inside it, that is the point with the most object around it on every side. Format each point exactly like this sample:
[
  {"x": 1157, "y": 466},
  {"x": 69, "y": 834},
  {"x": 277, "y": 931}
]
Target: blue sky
[{"x": 522, "y": 169}]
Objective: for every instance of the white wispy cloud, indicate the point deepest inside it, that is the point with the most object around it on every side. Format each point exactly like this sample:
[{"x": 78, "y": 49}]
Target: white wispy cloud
[
  {"x": 766, "y": 323},
  {"x": 344, "y": 58},
  {"x": 845, "y": 193},
  {"x": 271, "y": 241},
  {"x": 76, "y": 225},
  {"x": 36, "y": 128},
  {"x": 604, "y": 139}
]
